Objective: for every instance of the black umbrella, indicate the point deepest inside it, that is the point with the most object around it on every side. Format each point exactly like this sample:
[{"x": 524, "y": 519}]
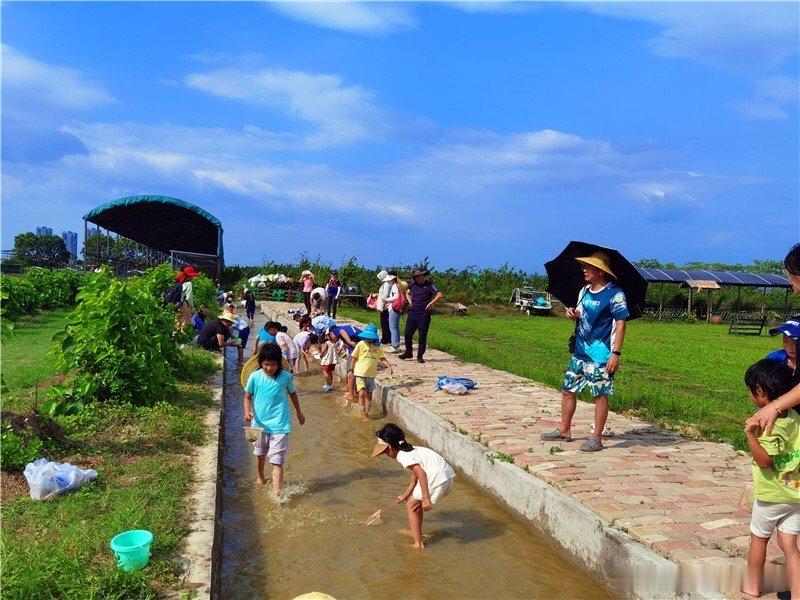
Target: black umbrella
[{"x": 565, "y": 276}]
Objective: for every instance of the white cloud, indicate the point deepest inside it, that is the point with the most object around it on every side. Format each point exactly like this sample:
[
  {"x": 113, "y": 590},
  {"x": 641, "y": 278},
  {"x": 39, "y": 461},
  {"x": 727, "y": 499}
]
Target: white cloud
[
  {"x": 27, "y": 80},
  {"x": 753, "y": 36},
  {"x": 493, "y": 6},
  {"x": 370, "y": 18},
  {"x": 340, "y": 113},
  {"x": 774, "y": 98}
]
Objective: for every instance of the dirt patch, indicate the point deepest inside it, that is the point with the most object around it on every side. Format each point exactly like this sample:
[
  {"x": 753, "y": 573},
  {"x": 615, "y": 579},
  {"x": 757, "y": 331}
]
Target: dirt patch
[{"x": 13, "y": 486}]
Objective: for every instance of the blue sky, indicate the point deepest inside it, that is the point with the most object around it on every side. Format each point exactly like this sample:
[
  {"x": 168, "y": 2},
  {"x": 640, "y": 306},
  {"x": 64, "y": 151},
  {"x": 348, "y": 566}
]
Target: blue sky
[{"x": 472, "y": 133}]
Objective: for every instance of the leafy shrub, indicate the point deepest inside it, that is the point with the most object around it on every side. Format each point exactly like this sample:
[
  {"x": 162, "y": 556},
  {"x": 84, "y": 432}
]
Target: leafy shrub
[
  {"x": 117, "y": 343},
  {"x": 39, "y": 289},
  {"x": 18, "y": 450},
  {"x": 26, "y": 437}
]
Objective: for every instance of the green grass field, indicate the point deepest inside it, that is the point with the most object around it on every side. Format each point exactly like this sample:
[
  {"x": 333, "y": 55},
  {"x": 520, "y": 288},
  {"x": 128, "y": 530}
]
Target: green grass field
[
  {"x": 60, "y": 548},
  {"x": 25, "y": 362},
  {"x": 687, "y": 377}
]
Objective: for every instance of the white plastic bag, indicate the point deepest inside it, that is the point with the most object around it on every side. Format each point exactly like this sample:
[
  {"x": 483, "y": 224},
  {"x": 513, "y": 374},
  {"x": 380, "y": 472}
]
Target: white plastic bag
[
  {"x": 452, "y": 387},
  {"x": 48, "y": 479}
]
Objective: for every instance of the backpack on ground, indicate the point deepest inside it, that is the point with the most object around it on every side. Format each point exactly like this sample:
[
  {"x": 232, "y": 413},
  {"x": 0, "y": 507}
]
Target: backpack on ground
[{"x": 174, "y": 295}]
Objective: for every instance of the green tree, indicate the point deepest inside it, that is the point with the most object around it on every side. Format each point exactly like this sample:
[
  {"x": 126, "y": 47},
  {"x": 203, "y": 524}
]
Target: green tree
[{"x": 40, "y": 250}]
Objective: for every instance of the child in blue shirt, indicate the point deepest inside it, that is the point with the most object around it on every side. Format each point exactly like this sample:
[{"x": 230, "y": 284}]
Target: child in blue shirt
[{"x": 266, "y": 406}]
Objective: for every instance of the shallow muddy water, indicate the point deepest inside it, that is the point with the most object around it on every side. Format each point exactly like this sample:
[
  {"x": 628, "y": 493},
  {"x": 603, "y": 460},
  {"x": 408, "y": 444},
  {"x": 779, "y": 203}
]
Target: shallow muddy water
[{"x": 316, "y": 540}]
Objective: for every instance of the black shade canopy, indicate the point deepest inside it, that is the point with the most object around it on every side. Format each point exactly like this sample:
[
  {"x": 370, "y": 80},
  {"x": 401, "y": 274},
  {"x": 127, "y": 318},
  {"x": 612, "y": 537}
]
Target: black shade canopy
[
  {"x": 161, "y": 223},
  {"x": 565, "y": 276}
]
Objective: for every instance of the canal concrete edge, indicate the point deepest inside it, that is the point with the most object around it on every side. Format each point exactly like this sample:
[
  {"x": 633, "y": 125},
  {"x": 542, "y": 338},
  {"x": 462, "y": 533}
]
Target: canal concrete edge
[
  {"x": 614, "y": 558},
  {"x": 200, "y": 555}
]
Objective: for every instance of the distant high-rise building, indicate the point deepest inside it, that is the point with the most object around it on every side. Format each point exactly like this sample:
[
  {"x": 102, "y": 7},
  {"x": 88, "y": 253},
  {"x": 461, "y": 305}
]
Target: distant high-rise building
[
  {"x": 71, "y": 242},
  {"x": 90, "y": 231},
  {"x": 44, "y": 230}
]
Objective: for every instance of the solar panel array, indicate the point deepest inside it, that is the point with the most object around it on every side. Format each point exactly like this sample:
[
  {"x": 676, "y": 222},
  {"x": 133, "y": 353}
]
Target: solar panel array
[{"x": 722, "y": 277}]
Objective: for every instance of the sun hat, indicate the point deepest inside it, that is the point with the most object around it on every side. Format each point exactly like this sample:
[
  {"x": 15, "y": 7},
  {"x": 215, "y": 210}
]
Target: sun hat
[
  {"x": 370, "y": 332},
  {"x": 420, "y": 271},
  {"x": 306, "y": 272},
  {"x": 382, "y": 275},
  {"x": 379, "y": 448},
  {"x": 228, "y": 316},
  {"x": 389, "y": 278},
  {"x": 598, "y": 259},
  {"x": 790, "y": 328},
  {"x": 190, "y": 271}
]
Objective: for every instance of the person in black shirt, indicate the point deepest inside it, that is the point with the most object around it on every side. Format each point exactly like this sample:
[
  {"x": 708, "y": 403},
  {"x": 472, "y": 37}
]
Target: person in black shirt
[{"x": 214, "y": 333}]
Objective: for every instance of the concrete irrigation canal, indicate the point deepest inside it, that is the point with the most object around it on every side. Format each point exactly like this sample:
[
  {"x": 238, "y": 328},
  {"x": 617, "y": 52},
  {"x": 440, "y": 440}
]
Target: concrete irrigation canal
[
  {"x": 317, "y": 540},
  {"x": 653, "y": 513}
]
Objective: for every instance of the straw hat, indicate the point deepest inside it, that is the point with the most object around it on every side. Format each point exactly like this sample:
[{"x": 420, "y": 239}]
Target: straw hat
[
  {"x": 379, "y": 448},
  {"x": 598, "y": 259},
  {"x": 250, "y": 367},
  {"x": 228, "y": 316},
  {"x": 421, "y": 271},
  {"x": 306, "y": 272}
]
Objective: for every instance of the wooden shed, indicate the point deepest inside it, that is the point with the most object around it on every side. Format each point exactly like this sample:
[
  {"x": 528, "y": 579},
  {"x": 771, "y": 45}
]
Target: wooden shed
[{"x": 700, "y": 284}]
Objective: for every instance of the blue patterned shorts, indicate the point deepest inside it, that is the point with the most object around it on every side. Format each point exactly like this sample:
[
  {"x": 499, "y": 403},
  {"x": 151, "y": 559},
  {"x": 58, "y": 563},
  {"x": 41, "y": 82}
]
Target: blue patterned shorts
[{"x": 581, "y": 373}]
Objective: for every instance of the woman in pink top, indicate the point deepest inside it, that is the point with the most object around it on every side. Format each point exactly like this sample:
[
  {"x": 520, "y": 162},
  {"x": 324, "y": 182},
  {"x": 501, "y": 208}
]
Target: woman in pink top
[{"x": 307, "y": 279}]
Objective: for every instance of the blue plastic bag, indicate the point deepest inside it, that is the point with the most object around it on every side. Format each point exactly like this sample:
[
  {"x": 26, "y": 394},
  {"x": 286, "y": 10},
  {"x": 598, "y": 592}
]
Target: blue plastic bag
[{"x": 444, "y": 380}]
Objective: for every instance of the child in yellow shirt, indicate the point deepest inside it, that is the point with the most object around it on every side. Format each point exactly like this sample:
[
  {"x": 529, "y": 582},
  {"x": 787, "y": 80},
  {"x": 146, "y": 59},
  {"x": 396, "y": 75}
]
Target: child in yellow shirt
[{"x": 366, "y": 356}]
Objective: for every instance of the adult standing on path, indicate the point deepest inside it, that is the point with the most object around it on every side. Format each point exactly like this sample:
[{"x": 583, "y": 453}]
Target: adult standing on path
[
  {"x": 396, "y": 302},
  {"x": 383, "y": 305},
  {"x": 249, "y": 305},
  {"x": 766, "y": 416},
  {"x": 601, "y": 314},
  {"x": 307, "y": 279},
  {"x": 334, "y": 289},
  {"x": 421, "y": 297}
]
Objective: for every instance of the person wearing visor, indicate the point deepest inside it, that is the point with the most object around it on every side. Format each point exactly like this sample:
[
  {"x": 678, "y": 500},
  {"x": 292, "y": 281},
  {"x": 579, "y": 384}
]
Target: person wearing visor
[
  {"x": 431, "y": 476},
  {"x": 791, "y": 339}
]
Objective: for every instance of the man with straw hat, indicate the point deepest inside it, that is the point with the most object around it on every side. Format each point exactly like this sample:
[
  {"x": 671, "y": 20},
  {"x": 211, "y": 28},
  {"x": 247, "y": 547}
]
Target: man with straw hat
[
  {"x": 600, "y": 314},
  {"x": 214, "y": 333}
]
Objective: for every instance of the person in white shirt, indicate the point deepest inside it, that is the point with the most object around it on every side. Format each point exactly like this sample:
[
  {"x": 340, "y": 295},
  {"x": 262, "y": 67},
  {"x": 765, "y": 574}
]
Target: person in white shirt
[
  {"x": 304, "y": 341},
  {"x": 431, "y": 476},
  {"x": 240, "y": 328},
  {"x": 382, "y": 305},
  {"x": 289, "y": 349}
]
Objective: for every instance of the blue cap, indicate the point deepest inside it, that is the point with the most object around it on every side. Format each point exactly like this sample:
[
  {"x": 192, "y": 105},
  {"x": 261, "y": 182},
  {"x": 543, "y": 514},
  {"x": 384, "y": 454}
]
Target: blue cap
[
  {"x": 790, "y": 329},
  {"x": 370, "y": 333}
]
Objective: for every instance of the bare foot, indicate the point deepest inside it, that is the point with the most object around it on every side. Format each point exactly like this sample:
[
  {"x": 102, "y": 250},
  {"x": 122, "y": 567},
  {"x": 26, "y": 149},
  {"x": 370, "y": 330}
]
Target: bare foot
[
  {"x": 419, "y": 546},
  {"x": 407, "y": 533},
  {"x": 261, "y": 481},
  {"x": 752, "y": 592}
]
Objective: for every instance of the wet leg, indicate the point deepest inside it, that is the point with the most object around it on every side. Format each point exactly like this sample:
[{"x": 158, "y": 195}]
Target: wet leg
[
  {"x": 414, "y": 509},
  {"x": 755, "y": 566},
  {"x": 788, "y": 544},
  {"x": 277, "y": 479},
  {"x": 261, "y": 477},
  {"x": 362, "y": 400}
]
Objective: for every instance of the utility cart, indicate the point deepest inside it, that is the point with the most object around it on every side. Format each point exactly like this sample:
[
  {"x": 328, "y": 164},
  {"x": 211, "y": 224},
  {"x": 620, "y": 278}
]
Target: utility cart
[{"x": 532, "y": 302}]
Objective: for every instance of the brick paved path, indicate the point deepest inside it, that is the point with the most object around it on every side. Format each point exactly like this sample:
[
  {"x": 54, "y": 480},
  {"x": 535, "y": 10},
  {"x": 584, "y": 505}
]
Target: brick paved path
[{"x": 686, "y": 500}]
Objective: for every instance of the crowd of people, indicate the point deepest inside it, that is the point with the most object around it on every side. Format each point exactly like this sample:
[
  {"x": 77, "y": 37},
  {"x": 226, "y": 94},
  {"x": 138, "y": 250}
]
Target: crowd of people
[{"x": 601, "y": 313}]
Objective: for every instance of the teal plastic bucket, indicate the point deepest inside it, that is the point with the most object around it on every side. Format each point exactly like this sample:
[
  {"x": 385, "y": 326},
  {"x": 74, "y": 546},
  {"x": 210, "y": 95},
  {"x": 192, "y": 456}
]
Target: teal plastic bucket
[{"x": 132, "y": 549}]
